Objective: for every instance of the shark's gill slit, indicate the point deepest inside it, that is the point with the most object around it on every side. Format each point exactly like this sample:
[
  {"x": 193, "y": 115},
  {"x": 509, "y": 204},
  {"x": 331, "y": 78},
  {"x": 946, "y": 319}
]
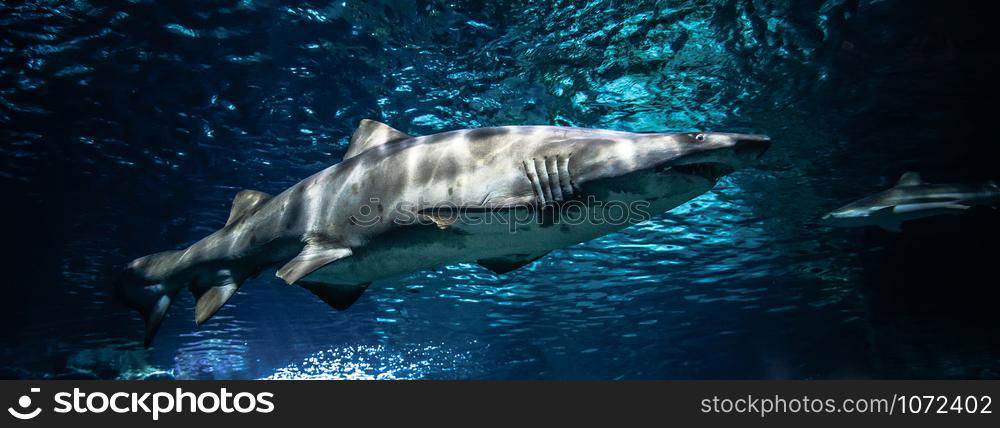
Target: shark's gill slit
[
  {"x": 543, "y": 180},
  {"x": 551, "y": 164},
  {"x": 565, "y": 181},
  {"x": 529, "y": 170}
]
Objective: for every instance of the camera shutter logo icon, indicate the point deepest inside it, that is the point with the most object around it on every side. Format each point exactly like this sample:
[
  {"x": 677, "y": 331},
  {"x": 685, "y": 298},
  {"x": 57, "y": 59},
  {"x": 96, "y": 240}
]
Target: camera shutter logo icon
[{"x": 25, "y": 402}]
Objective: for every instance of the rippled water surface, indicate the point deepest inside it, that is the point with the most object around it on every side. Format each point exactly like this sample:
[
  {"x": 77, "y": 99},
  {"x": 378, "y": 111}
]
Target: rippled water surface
[{"x": 128, "y": 126}]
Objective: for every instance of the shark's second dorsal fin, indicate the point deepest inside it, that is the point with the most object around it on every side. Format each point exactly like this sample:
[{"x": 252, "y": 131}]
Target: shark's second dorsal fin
[
  {"x": 245, "y": 202},
  {"x": 909, "y": 178},
  {"x": 371, "y": 133}
]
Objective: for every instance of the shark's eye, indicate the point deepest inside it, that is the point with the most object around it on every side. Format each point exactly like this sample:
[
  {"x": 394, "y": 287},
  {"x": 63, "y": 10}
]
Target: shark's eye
[{"x": 700, "y": 137}]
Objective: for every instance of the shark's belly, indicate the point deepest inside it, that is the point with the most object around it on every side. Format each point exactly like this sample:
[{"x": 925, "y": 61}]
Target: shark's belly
[
  {"x": 410, "y": 249},
  {"x": 414, "y": 248}
]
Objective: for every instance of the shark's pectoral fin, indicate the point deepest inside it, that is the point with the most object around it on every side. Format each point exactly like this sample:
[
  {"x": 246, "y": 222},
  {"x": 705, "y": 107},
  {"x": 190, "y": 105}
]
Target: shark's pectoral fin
[
  {"x": 886, "y": 218},
  {"x": 245, "y": 202},
  {"x": 340, "y": 297},
  {"x": 502, "y": 265},
  {"x": 884, "y": 212},
  {"x": 314, "y": 256}
]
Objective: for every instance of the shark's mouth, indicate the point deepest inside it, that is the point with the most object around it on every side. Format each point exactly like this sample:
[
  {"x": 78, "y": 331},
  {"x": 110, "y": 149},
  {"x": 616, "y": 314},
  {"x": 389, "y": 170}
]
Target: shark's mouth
[{"x": 710, "y": 171}]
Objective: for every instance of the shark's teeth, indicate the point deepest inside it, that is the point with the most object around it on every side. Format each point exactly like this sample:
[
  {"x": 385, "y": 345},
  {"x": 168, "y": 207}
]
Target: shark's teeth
[
  {"x": 550, "y": 178},
  {"x": 711, "y": 171}
]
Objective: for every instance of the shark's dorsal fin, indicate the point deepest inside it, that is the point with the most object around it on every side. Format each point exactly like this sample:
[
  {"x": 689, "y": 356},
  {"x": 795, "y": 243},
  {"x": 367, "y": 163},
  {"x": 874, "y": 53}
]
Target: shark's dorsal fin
[
  {"x": 502, "y": 265},
  {"x": 245, "y": 202},
  {"x": 909, "y": 178},
  {"x": 371, "y": 133}
]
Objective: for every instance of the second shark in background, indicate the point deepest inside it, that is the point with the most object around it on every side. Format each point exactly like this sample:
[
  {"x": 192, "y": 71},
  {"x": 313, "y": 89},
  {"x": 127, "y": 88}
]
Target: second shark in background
[{"x": 912, "y": 198}]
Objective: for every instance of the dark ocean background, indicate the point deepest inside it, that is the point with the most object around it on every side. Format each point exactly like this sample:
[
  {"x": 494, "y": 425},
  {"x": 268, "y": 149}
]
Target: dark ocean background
[{"x": 128, "y": 126}]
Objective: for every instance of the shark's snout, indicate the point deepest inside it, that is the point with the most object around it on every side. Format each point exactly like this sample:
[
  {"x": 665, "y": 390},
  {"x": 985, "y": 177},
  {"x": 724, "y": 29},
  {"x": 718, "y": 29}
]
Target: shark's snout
[
  {"x": 713, "y": 155},
  {"x": 751, "y": 146}
]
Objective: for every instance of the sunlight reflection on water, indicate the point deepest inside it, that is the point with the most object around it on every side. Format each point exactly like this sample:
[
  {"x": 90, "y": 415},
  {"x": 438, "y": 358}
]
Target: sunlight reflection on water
[{"x": 365, "y": 362}]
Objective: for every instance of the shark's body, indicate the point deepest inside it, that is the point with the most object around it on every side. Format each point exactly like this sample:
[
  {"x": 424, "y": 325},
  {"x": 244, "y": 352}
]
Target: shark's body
[
  {"x": 912, "y": 198},
  {"x": 398, "y": 204}
]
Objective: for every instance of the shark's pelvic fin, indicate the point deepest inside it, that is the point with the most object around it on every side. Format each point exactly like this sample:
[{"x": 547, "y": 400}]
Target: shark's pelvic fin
[
  {"x": 371, "y": 133},
  {"x": 246, "y": 202},
  {"x": 502, "y": 265},
  {"x": 315, "y": 255},
  {"x": 909, "y": 178},
  {"x": 340, "y": 297}
]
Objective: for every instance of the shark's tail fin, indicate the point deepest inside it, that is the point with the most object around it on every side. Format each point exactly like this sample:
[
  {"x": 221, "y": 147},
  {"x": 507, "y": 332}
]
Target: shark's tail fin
[
  {"x": 149, "y": 284},
  {"x": 143, "y": 287}
]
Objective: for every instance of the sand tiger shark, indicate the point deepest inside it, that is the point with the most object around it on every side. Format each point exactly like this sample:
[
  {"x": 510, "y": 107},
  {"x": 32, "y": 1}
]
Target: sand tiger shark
[
  {"x": 378, "y": 213},
  {"x": 912, "y": 198}
]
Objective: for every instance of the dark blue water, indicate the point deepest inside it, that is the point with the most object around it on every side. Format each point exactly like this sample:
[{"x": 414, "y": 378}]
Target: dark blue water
[{"x": 128, "y": 126}]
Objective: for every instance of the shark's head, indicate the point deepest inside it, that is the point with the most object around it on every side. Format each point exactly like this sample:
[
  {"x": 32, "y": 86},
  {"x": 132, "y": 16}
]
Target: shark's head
[
  {"x": 709, "y": 155},
  {"x": 856, "y": 214},
  {"x": 673, "y": 168}
]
